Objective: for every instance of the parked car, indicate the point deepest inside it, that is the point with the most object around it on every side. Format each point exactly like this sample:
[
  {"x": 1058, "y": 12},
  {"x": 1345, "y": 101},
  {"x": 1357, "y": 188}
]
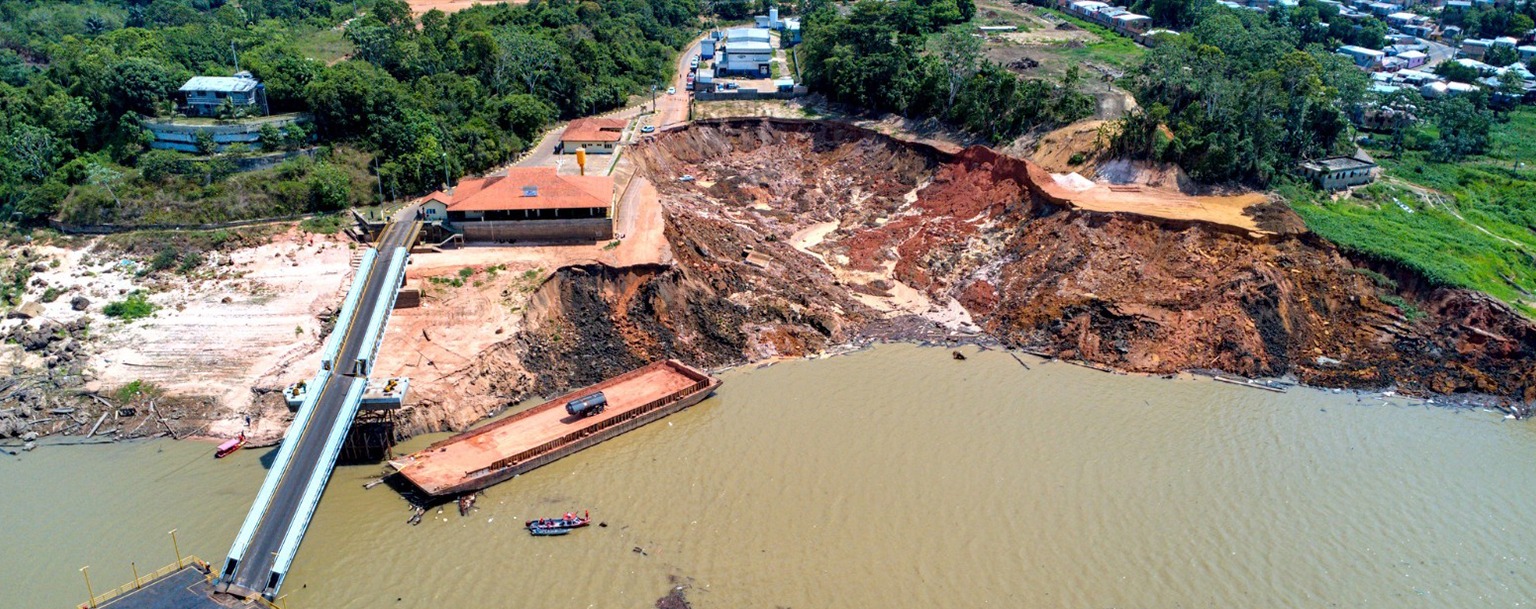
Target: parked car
[
  {"x": 648, "y": 129},
  {"x": 671, "y": 90}
]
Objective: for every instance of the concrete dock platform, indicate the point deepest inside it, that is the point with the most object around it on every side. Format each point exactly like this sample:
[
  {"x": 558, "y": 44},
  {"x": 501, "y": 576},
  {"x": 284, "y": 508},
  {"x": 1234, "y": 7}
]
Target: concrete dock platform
[
  {"x": 185, "y": 588},
  {"x": 542, "y": 434}
]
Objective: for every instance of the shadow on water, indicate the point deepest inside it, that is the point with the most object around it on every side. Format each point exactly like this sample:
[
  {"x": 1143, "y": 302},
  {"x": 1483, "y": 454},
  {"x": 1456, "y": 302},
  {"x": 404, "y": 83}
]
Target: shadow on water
[
  {"x": 269, "y": 457},
  {"x": 413, "y": 495}
]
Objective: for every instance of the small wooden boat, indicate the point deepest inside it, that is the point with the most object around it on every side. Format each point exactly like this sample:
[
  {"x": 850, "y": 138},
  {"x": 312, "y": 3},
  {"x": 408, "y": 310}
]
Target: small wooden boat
[
  {"x": 570, "y": 520},
  {"x": 230, "y": 446},
  {"x": 466, "y": 503}
]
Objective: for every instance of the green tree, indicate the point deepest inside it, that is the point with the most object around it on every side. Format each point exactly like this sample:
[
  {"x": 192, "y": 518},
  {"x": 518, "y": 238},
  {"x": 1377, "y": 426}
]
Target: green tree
[
  {"x": 1372, "y": 34},
  {"x": 1464, "y": 128},
  {"x": 1519, "y": 24},
  {"x": 523, "y": 61},
  {"x": 138, "y": 85},
  {"x": 107, "y": 178},
  {"x": 330, "y": 188},
  {"x": 270, "y": 138},
  {"x": 1242, "y": 100},
  {"x": 960, "y": 52},
  {"x": 348, "y": 97},
  {"x": 1456, "y": 72},
  {"x": 284, "y": 73},
  {"x": 35, "y": 151},
  {"x": 1512, "y": 84},
  {"x": 1500, "y": 55},
  {"x": 157, "y": 165},
  {"x": 205, "y": 144}
]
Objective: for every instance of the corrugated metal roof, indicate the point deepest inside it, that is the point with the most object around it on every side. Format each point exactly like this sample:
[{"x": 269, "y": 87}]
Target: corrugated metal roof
[
  {"x": 746, "y": 33},
  {"x": 750, "y": 46},
  {"x": 227, "y": 84}
]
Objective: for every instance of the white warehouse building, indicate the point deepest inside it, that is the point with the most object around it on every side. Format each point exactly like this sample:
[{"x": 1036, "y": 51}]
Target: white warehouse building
[{"x": 750, "y": 58}]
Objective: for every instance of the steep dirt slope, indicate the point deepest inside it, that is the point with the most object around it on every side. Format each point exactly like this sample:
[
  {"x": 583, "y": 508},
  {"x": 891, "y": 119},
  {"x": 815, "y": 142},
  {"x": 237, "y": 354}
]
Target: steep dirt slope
[{"x": 792, "y": 236}]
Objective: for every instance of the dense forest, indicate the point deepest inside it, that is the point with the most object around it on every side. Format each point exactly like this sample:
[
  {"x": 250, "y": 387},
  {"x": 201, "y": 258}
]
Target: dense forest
[
  {"x": 1236, "y": 98},
  {"x": 451, "y": 94},
  {"x": 916, "y": 58}
]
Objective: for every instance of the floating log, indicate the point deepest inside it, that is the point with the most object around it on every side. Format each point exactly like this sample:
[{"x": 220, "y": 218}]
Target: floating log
[
  {"x": 1017, "y": 359},
  {"x": 1249, "y": 383}
]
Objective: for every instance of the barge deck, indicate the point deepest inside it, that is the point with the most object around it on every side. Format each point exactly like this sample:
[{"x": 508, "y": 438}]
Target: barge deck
[{"x": 545, "y": 433}]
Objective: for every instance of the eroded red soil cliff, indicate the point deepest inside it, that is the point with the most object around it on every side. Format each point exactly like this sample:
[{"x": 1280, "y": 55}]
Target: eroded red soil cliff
[{"x": 792, "y": 236}]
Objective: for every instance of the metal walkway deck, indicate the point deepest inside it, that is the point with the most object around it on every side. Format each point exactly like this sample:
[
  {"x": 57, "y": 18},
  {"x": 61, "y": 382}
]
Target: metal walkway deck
[{"x": 269, "y": 538}]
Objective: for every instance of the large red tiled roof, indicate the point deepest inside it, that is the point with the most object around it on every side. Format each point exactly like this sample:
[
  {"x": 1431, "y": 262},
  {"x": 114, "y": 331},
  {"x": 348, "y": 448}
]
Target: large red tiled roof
[
  {"x": 499, "y": 193},
  {"x": 594, "y": 130}
]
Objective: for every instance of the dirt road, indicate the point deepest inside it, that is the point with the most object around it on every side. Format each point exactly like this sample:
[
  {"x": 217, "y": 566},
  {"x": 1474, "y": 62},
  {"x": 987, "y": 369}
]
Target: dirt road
[{"x": 453, "y": 6}]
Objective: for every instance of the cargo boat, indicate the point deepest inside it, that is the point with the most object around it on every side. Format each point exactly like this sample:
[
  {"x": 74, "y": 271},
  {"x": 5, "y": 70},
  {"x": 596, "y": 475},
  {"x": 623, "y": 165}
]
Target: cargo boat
[{"x": 546, "y": 433}]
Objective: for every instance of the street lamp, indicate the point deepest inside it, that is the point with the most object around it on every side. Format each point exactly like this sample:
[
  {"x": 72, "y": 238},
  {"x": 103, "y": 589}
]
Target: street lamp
[
  {"x": 176, "y": 546},
  {"x": 85, "y": 571}
]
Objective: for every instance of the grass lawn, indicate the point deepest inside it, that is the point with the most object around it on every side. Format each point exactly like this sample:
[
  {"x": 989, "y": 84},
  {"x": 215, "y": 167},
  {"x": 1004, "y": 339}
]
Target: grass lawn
[
  {"x": 1111, "y": 48},
  {"x": 1470, "y": 224},
  {"x": 327, "y": 45}
]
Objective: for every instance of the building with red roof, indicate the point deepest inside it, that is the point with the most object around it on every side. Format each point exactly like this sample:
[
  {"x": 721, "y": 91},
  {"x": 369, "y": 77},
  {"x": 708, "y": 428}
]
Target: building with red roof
[
  {"x": 528, "y": 203},
  {"x": 596, "y": 135}
]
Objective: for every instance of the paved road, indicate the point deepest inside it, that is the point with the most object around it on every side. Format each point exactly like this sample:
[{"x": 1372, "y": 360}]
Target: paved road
[
  {"x": 1438, "y": 53},
  {"x": 251, "y": 575},
  {"x": 670, "y": 109}
]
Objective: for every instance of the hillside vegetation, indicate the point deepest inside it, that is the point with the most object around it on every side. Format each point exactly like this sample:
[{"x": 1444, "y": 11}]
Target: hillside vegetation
[
  {"x": 418, "y": 99},
  {"x": 1467, "y": 223}
]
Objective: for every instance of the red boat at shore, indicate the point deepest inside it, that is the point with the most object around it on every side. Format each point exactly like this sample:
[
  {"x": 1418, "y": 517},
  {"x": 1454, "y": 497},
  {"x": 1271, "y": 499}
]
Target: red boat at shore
[{"x": 230, "y": 446}]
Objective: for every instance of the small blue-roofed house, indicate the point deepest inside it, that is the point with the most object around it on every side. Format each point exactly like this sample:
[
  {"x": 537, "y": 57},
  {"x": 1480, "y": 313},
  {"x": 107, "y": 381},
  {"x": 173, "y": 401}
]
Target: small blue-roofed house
[{"x": 206, "y": 95}]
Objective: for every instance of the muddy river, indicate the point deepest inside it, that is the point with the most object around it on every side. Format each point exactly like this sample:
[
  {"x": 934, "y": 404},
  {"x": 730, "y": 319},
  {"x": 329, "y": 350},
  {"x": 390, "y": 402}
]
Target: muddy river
[{"x": 895, "y": 477}]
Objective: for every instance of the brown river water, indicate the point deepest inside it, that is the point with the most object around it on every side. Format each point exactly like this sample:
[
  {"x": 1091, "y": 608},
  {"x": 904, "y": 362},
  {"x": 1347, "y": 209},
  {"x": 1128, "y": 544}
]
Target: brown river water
[{"x": 893, "y": 477}]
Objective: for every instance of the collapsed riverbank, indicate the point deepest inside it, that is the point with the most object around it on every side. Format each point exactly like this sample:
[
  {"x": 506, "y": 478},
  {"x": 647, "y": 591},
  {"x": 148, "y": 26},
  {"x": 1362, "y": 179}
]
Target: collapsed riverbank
[
  {"x": 794, "y": 236},
  {"x": 778, "y": 238}
]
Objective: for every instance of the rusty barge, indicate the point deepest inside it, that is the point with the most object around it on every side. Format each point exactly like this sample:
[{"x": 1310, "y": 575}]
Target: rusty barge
[{"x": 479, "y": 458}]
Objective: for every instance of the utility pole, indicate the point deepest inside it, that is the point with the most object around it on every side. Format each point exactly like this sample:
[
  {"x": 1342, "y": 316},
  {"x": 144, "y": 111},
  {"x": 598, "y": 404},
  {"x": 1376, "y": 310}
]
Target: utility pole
[
  {"x": 236, "y": 55},
  {"x": 379, "y": 177},
  {"x": 653, "y": 98},
  {"x": 445, "y": 172}
]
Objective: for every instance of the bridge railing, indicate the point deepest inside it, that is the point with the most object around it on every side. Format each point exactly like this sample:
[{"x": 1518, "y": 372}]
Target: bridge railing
[
  {"x": 144, "y": 580},
  {"x": 317, "y": 481},
  {"x": 374, "y": 337},
  {"x": 348, "y": 310},
  {"x": 279, "y": 465}
]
